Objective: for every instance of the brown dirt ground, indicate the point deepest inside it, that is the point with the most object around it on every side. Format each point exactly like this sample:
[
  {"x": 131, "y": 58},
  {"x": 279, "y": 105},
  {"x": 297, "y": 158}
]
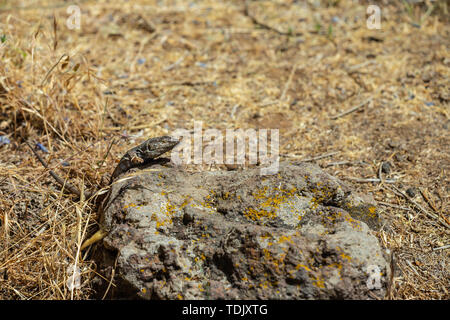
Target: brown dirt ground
[{"x": 144, "y": 68}]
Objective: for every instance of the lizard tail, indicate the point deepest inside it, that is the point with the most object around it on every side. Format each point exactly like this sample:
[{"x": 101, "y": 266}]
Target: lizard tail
[{"x": 99, "y": 235}]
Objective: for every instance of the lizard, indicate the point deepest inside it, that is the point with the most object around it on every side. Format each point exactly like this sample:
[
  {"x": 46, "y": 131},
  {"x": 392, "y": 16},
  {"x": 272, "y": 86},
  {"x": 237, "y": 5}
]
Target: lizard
[{"x": 144, "y": 153}]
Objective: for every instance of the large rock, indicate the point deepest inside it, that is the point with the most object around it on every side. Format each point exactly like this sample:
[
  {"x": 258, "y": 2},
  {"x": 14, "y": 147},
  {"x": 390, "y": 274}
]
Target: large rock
[{"x": 298, "y": 234}]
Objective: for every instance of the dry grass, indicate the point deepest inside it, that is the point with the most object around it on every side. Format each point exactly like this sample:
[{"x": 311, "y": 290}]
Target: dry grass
[{"x": 144, "y": 68}]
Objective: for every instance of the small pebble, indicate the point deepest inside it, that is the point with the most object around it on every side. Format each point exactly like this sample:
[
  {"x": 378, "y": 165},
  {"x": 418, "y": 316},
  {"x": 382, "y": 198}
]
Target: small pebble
[
  {"x": 188, "y": 218},
  {"x": 335, "y": 19},
  {"x": 141, "y": 61},
  {"x": 386, "y": 167},
  {"x": 411, "y": 192},
  {"x": 201, "y": 64},
  {"x": 4, "y": 140}
]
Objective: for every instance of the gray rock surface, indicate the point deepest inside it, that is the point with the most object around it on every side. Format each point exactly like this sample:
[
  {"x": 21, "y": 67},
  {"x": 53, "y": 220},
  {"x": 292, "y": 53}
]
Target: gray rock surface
[{"x": 298, "y": 234}]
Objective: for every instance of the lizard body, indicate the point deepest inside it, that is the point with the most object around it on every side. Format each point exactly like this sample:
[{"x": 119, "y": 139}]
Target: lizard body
[{"x": 141, "y": 154}]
